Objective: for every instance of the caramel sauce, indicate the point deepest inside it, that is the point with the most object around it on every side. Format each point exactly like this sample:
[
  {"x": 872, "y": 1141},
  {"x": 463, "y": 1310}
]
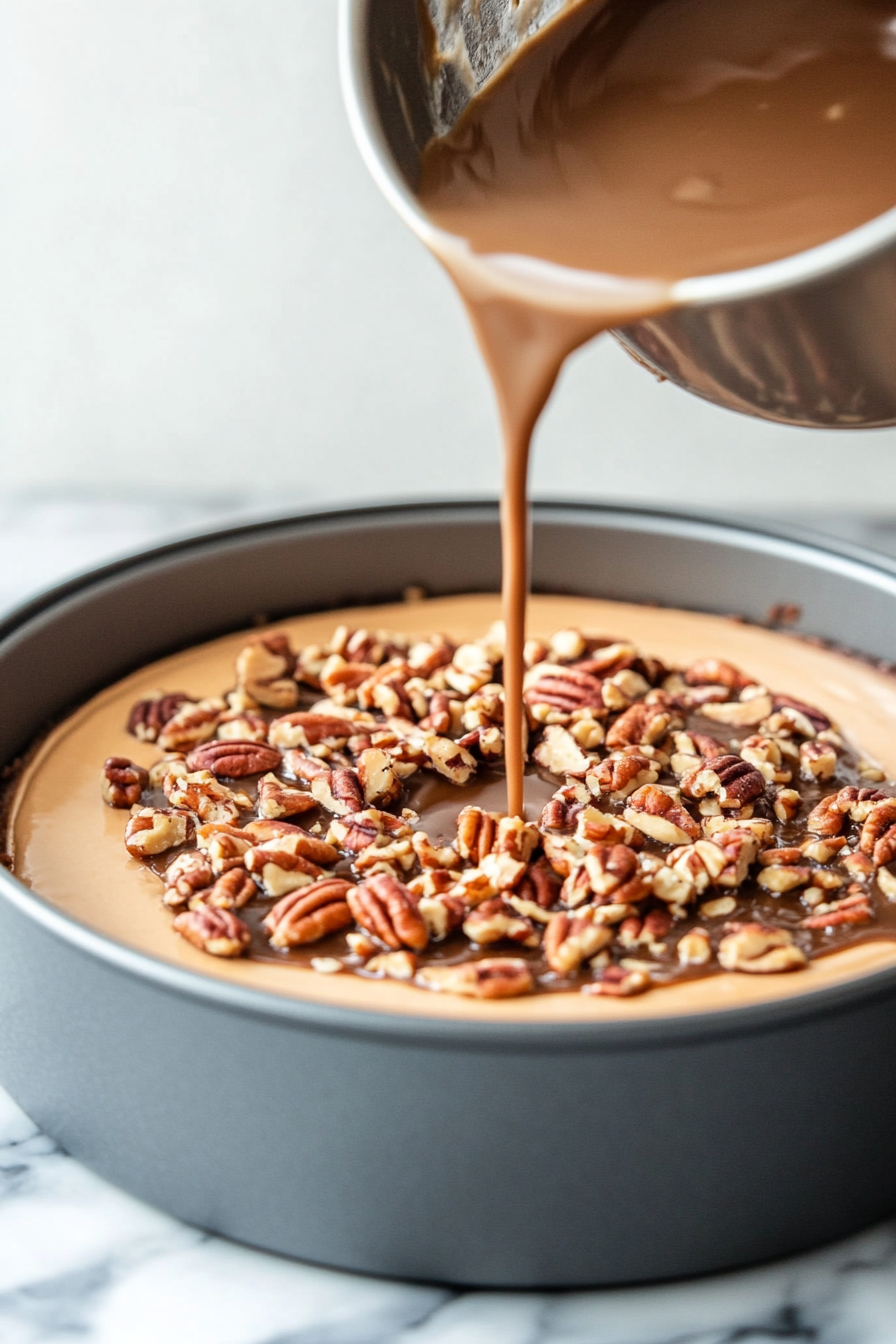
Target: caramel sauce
[{"x": 643, "y": 142}]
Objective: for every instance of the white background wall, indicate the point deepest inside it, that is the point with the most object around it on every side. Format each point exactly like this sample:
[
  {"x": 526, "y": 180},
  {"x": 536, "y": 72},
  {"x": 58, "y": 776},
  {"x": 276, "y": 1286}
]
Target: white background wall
[{"x": 204, "y": 296}]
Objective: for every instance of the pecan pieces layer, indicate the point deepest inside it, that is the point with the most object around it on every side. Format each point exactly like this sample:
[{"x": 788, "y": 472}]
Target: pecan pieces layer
[{"x": 700, "y": 823}]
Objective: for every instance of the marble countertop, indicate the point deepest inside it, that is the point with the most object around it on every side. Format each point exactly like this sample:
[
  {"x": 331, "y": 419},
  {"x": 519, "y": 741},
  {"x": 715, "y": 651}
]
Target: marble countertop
[{"x": 79, "y": 1260}]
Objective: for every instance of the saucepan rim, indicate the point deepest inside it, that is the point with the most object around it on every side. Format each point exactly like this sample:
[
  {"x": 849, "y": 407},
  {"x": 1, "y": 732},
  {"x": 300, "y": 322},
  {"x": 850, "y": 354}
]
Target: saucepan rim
[
  {"x": 803, "y": 268},
  {"x": 432, "y": 1030}
]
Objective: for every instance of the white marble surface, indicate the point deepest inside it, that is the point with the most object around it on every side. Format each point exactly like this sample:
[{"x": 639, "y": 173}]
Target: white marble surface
[{"x": 81, "y": 1261}]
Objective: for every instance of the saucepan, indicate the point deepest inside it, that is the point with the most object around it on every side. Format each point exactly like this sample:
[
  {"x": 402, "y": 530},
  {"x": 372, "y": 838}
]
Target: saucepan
[
  {"x": 471, "y": 1151},
  {"x": 808, "y": 340}
]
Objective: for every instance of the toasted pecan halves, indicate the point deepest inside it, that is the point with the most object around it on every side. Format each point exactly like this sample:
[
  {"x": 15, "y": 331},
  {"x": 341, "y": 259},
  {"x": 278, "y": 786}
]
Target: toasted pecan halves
[
  {"x": 234, "y": 759},
  {"x": 310, "y": 914},
  {"x": 388, "y": 910}
]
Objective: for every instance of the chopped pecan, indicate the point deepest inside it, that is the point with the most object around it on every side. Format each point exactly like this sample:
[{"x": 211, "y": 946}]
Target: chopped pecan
[
  {"x": 186, "y": 874},
  {"x": 234, "y": 759},
  {"x": 740, "y": 847},
  {"x": 887, "y": 883},
  {"x": 828, "y": 816},
  {"x": 449, "y": 758},
  {"x": 232, "y": 891},
  {"x": 816, "y": 721},
  {"x": 432, "y": 857},
  {"x": 148, "y": 717},
  {"x": 122, "y": 781},
  {"x": 386, "y": 908},
  {"x": 469, "y": 669},
  {"x": 768, "y": 754},
  {"x": 439, "y": 718},
  {"x": 386, "y": 689},
  {"x": 225, "y": 845},
  {"x": 192, "y": 724},
  {"x": 854, "y": 909},
  {"x": 376, "y": 774},
  {"x": 276, "y": 799},
  {"x": 360, "y": 829},
  {"x": 339, "y": 791},
  {"x": 201, "y": 793},
  {"x": 878, "y": 837},
  {"x": 700, "y": 864},
  {"x": 818, "y": 760},
  {"x": 615, "y": 874},
  {"x": 173, "y": 763},
  {"x": 694, "y": 948},
  {"x": 717, "y": 909},
  {"x": 657, "y": 814},
  {"x": 734, "y": 780},
  {"x": 152, "y": 830},
  {"x": 502, "y": 870},
  {"x": 484, "y": 709},
  {"x": 489, "y": 742},
  {"x": 308, "y": 729},
  {"x": 571, "y": 939},
  {"x": 264, "y": 670},
  {"x": 495, "y": 919},
  {"x": 303, "y": 767},
  {"x": 858, "y": 865},
  {"x": 620, "y": 983},
  {"x": 309, "y": 914},
  {"x": 442, "y": 913},
  {"x": 759, "y": 950},
  {"x": 743, "y": 713},
  {"x": 619, "y": 776},
  {"x": 280, "y": 871},
  {"x": 490, "y": 978},
  {"x": 787, "y": 803},
  {"x": 427, "y": 656},
  {"x": 540, "y": 884},
  {"x": 594, "y": 826},
  {"x": 393, "y": 965},
  {"x": 388, "y": 856},
  {"x": 612, "y": 656},
  {"x": 559, "y": 814},
  {"x": 476, "y": 832},
  {"x": 716, "y": 672},
  {"x": 242, "y": 725},
  {"x": 567, "y": 645},
  {"x": 221, "y": 933},
  {"x": 641, "y": 725},
  {"x": 773, "y": 857},
  {"x": 622, "y": 689},
  {"x": 554, "y": 692},
  {"x": 560, "y": 753},
  {"x": 290, "y": 839},
  {"x": 784, "y": 877},
  {"x": 341, "y": 680},
  {"x": 576, "y": 888},
  {"x": 517, "y": 838}
]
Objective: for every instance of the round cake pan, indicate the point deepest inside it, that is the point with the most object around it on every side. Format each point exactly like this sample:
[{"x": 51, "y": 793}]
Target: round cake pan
[{"x": 463, "y": 1151}]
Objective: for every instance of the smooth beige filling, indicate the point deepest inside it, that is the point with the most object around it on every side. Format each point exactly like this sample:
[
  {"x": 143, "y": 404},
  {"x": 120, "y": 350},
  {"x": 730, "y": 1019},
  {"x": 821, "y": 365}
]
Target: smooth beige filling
[{"x": 67, "y": 844}]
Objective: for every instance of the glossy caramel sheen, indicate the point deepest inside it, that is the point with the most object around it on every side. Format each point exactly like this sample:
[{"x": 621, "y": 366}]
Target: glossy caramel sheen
[
  {"x": 655, "y": 139},
  {"x": 679, "y": 138},
  {"x": 67, "y": 844}
]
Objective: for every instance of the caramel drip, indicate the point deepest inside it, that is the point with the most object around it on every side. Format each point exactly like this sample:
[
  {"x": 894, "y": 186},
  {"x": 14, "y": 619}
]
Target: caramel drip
[{"x": 643, "y": 142}]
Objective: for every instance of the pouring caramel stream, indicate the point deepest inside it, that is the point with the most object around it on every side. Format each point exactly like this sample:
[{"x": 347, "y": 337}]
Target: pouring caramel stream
[{"x": 630, "y": 145}]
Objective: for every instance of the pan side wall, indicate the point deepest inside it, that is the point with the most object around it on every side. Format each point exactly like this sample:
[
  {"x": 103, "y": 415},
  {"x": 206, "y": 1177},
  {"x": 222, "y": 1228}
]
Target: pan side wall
[
  {"x": 148, "y": 607},
  {"x": 512, "y": 1168}
]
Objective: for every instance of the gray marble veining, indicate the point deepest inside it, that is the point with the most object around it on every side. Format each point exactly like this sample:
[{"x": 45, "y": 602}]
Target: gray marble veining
[{"x": 79, "y": 1260}]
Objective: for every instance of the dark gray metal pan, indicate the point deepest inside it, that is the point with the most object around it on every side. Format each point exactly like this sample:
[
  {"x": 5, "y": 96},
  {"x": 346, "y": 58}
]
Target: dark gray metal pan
[{"x": 477, "y": 1153}]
